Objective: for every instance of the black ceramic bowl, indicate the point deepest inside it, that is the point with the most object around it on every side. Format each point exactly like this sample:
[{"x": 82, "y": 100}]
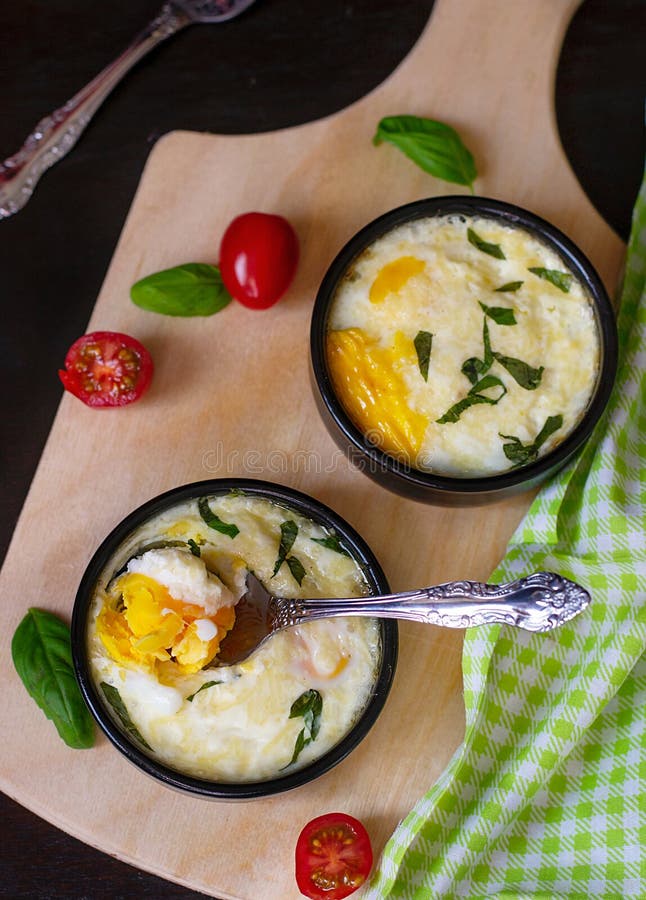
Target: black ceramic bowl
[
  {"x": 282, "y": 496},
  {"x": 401, "y": 477}
]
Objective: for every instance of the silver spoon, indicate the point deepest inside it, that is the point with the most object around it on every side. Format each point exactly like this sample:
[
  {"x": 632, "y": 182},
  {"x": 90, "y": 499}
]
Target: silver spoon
[
  {"x": 56, "y": 134},
  {"x": 539, "y": 602}
]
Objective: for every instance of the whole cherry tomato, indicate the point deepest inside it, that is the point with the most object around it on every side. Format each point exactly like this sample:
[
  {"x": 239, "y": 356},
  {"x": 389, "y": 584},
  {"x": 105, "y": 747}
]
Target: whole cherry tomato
[
  {"x": 258, "y": 258},
  {"x": 333, "y": 857},
  {"x": 106, "y": 368}
]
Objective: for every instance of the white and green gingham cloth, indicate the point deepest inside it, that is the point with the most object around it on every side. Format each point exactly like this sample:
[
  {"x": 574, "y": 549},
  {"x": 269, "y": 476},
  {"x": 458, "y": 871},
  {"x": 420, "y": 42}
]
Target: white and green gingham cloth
[{"x": 546, "y": 797}]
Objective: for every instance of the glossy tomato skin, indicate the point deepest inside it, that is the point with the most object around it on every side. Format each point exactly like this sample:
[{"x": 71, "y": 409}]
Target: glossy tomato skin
[
  {"x": 333, "y": 857},
  {"x": 258, "y": 258},
  {"x": 107, "y": 368}
]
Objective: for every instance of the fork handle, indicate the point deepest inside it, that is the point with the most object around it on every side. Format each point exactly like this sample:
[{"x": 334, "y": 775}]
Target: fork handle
[
  {"x": 538, "y": 602},
  {"x": 56, "y": 134}
]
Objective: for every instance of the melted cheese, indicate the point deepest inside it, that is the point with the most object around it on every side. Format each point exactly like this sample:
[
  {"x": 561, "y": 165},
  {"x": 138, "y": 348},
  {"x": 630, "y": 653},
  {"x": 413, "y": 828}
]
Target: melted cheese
[
  {"x": 426, "y": 276},
  {"x": 239, "y": 729}
]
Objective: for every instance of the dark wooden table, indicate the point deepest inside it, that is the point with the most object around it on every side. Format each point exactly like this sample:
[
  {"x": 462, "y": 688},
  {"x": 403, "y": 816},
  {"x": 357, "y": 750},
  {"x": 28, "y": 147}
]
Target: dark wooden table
[{"x": 283, "y": 62}]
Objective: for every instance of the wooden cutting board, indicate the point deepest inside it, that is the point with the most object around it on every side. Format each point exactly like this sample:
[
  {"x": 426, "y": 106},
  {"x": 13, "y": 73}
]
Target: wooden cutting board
[{"x": 231, "y": 396}]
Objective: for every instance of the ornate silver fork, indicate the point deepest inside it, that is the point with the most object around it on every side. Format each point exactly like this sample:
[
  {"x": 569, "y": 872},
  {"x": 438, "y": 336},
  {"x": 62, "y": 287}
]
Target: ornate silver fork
[
  {"x": 56, "y": 134},
  {"x": 538, "y": 602}
]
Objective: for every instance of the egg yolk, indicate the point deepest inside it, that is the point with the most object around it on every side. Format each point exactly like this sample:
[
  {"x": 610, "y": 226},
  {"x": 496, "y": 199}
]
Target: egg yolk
[
  {"x": 392, "y": 277},
  {"x": 152, "y": 627},
  {"x": 368, "y": 382}
]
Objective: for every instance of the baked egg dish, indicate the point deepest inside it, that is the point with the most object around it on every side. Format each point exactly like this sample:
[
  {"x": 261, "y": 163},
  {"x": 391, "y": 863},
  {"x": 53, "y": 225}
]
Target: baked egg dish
[
  {"x": 462, "y": 346},
  {"x": 167, "y": 599}
]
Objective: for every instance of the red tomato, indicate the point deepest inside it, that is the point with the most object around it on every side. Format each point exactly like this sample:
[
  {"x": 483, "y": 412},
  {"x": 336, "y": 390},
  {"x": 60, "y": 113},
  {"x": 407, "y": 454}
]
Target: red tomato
[
  {"x": 333, "y": 857},
  {"x": 258, "y": 258},
  {"x": 106, "y": 368}
]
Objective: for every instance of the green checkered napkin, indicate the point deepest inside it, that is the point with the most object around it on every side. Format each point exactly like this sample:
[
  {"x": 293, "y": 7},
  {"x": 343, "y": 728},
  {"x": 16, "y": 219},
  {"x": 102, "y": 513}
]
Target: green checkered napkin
[{"x": 546, "y": 797}]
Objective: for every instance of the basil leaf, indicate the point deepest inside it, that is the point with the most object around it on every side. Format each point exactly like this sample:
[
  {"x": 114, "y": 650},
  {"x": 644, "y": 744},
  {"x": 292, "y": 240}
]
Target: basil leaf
[
  {"x": 332, "y": 543},
  {"x": 502, "y": 315},
  {"x": 473, "y": 398},
  {"x": 288, "y": 532},
  {"x": 485, "y": 246},
  {"x": 296, "y": 568},
  {"x": 527, "y": 376},
  {"x": 510, "y": 287},
  {"x": 214, "y": 521},
  {"x": 207, "y": 684},
  {"x": 561, "y": 280},
  {"x": 474, "y": 368},
  {"x": 521, "y": 454},
  {"x": 423, "y": 343},
  {"x": 194, "y": 289},
  {"x": 309, "y": 706},
  {"x": 433, "y": 146},
  {"x": 113, "y": 697},
  {"x": 42, "y": 655},
  {"x": 194, "y": 548}
]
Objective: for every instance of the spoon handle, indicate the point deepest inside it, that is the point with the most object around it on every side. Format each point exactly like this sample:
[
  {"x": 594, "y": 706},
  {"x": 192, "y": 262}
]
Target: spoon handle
[
  {"x": 538, "y": 602},
  {"x": 56, "y": 134}
]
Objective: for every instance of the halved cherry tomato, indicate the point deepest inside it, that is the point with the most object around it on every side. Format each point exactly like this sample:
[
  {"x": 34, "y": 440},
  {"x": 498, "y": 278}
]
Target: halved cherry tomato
[
  {"x": 106, "y": 368},
  {"x": 258, "y": 258},
  {"x": 333, "y": 857}
]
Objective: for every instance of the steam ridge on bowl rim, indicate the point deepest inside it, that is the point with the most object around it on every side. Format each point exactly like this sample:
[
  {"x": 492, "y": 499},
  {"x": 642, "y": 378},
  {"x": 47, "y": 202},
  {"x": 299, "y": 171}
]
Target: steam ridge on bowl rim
[
  {"x": 301, "y": 504},
  {"x": 400, "y": 475}
]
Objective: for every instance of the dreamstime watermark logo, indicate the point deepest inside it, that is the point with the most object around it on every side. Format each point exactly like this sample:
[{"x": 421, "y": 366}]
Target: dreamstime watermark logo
[{"x": 219, "y": 461}]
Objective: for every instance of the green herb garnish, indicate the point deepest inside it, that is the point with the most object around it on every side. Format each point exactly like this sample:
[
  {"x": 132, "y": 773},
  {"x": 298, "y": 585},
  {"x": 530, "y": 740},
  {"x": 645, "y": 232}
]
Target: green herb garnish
[
  {"x": 520, "y": 454},
  {"x": 485, "y": 246},
  {"x": 475, "y": 368},
  {"x": 207, "y": 684},
  {"x": 309, "y": 706},
  {"x": 113, "y": 697},
  {"x": 194, "y": 548},
  {"x": 433, "y": 146},
  {"x": 332, "y": 542},
  {"x": 423, "y": 343},
  {"x": 561, "y": 280},
  {"x": 288, "y": 532},
  {"x": 473, "y": 398},
  {"x": 296, "y": 568},
  {"x": 42, "y": 654},
  {"x": 214, "y": 521},
  {"x": 527, "y": 376},
  {"x": 194, "y": 289},
  {"x": 510, "y": 287},
  {"x": 502, "y": 315}
]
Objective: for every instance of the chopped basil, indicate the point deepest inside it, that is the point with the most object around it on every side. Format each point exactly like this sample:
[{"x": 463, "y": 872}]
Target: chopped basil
[
  {"x": 475, "y": 368},
  {"x": 113, "y": 697},
  {"x": 473, "y": 398},
  {"x": 332, "y": 543},
  {"x": 42, "y": 655},
  {"x": 296, "y": 568},
  {"x": 561, "y": 280},
  {"x": 288, "y": 532},
  {"x": 485, "y": 246},
  {"x": 527, "y": 376},
  {"x": 502, "y": 315},
  {"x": 433, "y": 146},
  {"x": 510, "y": 287},
  {"x": 194, "y": 289},
  {"x": 194, "y": 548},
  {"x": 207, "y": 684},
  {"x": 214, "y": 521},
  {"x": 520, "y": 454},
  {"x": 423, "y": 343},
  {"x": 309, "y": 706}
]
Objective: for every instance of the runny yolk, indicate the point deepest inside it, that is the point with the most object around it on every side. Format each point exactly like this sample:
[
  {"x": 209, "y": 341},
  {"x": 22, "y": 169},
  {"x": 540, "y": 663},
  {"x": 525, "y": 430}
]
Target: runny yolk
[
  {"x": 154, "y": 627},
  {"x": 392, "y": 277}
]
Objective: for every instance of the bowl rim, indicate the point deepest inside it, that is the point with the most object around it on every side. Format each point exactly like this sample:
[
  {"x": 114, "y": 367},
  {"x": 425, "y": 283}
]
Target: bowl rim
[
  {"x": 510, "y": 214},
  {"x": 304, "y": 505}
]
